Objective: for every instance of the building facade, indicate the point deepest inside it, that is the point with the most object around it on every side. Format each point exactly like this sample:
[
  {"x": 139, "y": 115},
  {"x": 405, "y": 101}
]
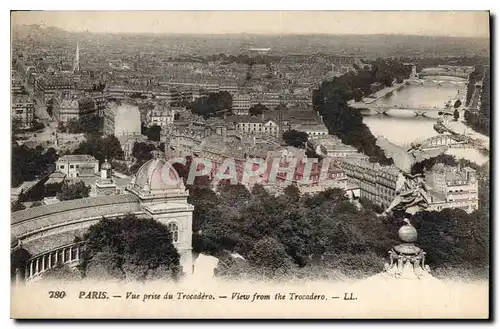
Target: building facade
[
  {"x": 453, "y": 187},
  {"x": 65, "y": 108},
  {"x": 122, "y": 120},
  {"x": 377, "y": 183},
  {"x": 23, "y": 110},
  {"x": 48, "y": 232},
  {"x": 77, "y": 165}
]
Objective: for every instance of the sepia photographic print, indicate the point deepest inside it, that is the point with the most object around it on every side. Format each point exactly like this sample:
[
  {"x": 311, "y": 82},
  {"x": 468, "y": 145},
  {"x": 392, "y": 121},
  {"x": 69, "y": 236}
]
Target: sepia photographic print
[{"x": 250, "y": 164}]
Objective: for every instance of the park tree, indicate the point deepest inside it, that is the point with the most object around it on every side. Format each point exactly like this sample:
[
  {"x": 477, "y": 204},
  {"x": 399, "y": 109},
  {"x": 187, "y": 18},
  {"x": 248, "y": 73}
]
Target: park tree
[
  {"x": 456, "y": 115},
  {"x": 292, "y": 192},
  {"x": 270, "y": 257},
  {"x": 214, "y": 104},
  {"x": 142, "y": 152},
  {"x": 18, "y": 260},
  {"x": 130, "y": 248},
  {"x": 153, "y": 133},
  {"x": 295, "y": 138},
  {"x": 257, "y": 109},
  {"x": 29, "y": 163},
  {"x": 101, "y": 148},
  {"x": 74, "y": 191},
  {"x": 457, "y": 104}
]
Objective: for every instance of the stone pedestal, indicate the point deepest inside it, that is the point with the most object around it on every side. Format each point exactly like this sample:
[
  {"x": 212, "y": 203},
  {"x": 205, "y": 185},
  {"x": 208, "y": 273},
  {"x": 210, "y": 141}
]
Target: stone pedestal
[{"x": 407, "y": 261}]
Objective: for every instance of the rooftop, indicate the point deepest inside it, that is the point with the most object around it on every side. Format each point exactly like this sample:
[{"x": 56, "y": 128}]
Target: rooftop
[
  {"x": 31, "y": 213},
  {"x": 77, "y": 158}
]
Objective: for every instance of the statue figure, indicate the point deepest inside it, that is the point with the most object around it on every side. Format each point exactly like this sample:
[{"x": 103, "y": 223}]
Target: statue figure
[{"x": 411, "y": 191}]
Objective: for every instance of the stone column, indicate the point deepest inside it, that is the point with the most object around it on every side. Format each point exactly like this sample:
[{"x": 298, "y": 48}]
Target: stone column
[
  {"x": 43, "y": 263},
  {"x": 50, "y": 260},
  {"x": 70, "y": 254},
  {"x": 36, "y": 265}
]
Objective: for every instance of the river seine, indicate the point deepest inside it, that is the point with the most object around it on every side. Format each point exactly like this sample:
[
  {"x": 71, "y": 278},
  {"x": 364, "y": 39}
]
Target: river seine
[{"x": 403, "y": 127}]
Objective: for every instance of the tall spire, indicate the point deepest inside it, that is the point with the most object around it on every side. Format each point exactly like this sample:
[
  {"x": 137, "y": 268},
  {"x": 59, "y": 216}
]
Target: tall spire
[{"x": 76, "y": 64}]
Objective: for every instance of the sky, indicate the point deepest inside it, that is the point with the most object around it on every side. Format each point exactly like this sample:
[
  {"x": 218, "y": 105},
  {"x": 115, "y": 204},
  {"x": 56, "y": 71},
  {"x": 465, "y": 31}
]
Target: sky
[{"x": 430, "y": 23}]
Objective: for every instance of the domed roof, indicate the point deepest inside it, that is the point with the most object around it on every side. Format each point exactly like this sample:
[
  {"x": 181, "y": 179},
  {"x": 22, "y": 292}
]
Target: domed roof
[
  {"x": 106, "y": 165},
  {"x": 157, "y": 174}
]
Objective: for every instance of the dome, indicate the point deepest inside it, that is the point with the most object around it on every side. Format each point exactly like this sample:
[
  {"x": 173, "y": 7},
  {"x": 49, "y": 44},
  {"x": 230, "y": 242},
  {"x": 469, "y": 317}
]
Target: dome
[
  {"x": 157, "y": 175},
  {"x": 407, "y": 233},
  {"x": 106, "y": 165}
]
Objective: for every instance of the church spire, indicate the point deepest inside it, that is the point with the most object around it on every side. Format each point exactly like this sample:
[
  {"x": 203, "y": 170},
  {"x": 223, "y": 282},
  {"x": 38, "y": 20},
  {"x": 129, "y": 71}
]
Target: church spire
[{"x": 76, "y": 64}]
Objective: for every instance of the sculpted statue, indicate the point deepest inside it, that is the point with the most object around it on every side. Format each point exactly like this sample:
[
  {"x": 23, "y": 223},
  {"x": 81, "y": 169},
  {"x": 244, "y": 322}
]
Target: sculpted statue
[{"x": 411, "y": 192}]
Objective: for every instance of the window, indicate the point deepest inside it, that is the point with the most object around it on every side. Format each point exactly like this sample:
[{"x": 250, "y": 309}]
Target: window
[
  {"x": 61, "y": 167},
  {"x": 174, "y": 229},
  {"x": 71, "y": 166}
]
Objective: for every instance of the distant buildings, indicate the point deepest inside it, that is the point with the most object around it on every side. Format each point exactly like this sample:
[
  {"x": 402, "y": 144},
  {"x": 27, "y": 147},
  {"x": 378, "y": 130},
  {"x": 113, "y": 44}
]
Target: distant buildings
[
  {"x": 377, "y": 183},
  {"x": 77, "y": 165},
  {"x": 255, "y": 125},
  {"x": 46, "y": 87},
  {"x": 453, "y": 187},
  {"x": 241, "y": 104},
  {"x": 122, "y": 120},
  {"x": 313, "y": 130},
  {"x": 332, "y": 147},
  {"x": 161, "y": 116},
  {"x": 65, "y": 108},
  {"x": 23, "y": 110}
]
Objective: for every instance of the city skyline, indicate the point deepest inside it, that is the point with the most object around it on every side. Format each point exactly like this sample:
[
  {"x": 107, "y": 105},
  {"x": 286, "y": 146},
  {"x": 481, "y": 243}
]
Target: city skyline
[{"x": 445, "y": 23}]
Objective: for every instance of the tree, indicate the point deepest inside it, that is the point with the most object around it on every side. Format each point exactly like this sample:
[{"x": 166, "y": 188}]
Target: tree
[
  {"x": 457, "y": 104},
  {"x": 456, "y": 115},
  {"x": 270, "y": 256},
  {"x": 108, "y": 148},
  {"x": 37, "y": 126},
  {"x": 77, "y": 190},
  {"x": 30, "y": 163},
  {"x": 153, "y": 133},
  {"x": 142, "y": 151},
  {"x": 18, "y": 260},
  {"x": 212, "y": 105},
  {"x": 292, "y": 192},
  {"x": 257, "y": 109},
  {"x": 132, "y": 248},
  {"x": 295, "y": 138}
]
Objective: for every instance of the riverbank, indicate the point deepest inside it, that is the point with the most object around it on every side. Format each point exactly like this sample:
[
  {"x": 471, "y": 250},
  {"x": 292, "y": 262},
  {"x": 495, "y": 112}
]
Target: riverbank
[
  {"x": 376, "y": 96},
  {"x": 460, "y": 127}
]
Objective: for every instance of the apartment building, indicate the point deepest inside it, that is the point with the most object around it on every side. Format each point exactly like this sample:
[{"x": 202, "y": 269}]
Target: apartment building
[
  {"x": 23, "y": 110},
  {"x": 453, "y": 187}
]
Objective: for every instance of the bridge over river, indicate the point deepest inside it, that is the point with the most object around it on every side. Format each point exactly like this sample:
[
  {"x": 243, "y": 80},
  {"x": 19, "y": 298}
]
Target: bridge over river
[
  {"x": 452, "y": 141},
  {"x": 384, "y": 109}
]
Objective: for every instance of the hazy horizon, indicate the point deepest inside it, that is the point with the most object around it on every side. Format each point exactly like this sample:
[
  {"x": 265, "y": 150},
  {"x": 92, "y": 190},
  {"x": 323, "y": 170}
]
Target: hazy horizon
[{"x": 456, "y": 24}]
